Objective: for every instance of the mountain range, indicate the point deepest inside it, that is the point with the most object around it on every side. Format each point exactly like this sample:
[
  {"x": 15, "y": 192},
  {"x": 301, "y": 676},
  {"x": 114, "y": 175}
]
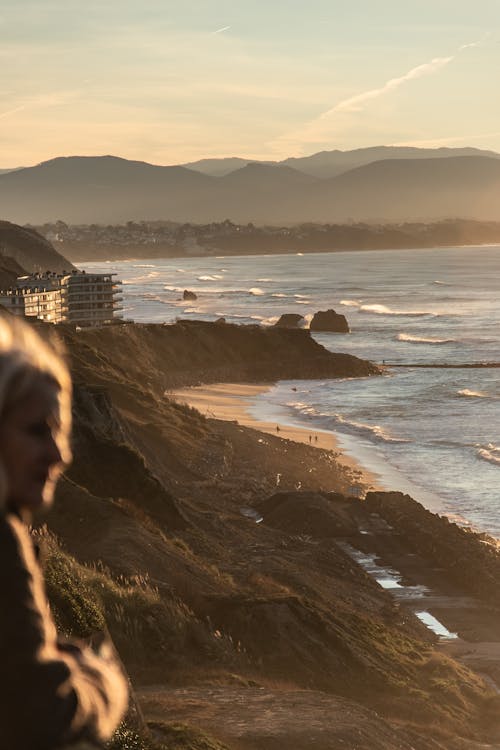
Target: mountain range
[{"x": 382, "y": 184}]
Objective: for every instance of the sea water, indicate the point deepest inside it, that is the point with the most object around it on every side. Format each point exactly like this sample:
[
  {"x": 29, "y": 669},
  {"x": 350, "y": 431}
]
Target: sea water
[{"x": 433, "y": 432}]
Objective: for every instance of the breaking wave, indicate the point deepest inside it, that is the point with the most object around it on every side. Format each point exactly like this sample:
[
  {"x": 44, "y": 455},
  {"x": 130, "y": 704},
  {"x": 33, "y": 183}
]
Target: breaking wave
[
  {"x": 422, "y": 339},
  {"x": 173, "y": 288},
  {"x": 337, "y": 421},
  {"x": 256, "y": 291},
  {"x": 473, "y": 394},
  {"x": 383, "y": 310},
  {"x": 269, "y": 321},
  {"x": 373, "y": 431},
  {"x": 213, "y": 277},
  {"x": 490, "y": 453}
]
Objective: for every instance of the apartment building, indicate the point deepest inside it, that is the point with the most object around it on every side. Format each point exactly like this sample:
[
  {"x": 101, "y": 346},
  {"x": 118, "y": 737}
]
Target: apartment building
[{"x": 80, "y": 298}]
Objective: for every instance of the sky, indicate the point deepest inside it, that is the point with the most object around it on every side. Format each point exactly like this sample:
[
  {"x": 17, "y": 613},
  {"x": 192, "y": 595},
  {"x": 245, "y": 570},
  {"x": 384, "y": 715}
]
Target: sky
[{"x": 172, "y": 82}]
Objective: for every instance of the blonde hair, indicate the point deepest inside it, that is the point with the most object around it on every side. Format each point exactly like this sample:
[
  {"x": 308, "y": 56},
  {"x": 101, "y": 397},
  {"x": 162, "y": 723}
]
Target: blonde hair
[{"x": 26, "y": 360}]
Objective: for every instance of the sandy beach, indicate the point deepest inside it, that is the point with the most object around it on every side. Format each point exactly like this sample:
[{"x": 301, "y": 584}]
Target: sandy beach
[{"x": 231, "y": 402}]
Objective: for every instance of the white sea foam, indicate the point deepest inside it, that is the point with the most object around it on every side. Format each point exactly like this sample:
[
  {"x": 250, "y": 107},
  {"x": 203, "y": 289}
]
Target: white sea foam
[
  {"x": 144, "y": 265},
  {"x": 374, "y": 431},
  {"x": 350, "y": 303},
  {"x": 263, "y": 281},
  {"x": 141, "y": 279},
  {"x": 256, "y": 291},
  {"x": 359, "y": 428},
  {"x": 214, "y": 277},
  {"x": 269, "y": 321},
  {"x": 173, "y": 288},
  {"x": 422, "y": 339},
  {"x": 473, "y": 394},
  {"x": 279, "y": 294},
  {"x": 383, "y": 310},
  {"x": 154, "y": 298},
  {"x": 490, "y": 453}
]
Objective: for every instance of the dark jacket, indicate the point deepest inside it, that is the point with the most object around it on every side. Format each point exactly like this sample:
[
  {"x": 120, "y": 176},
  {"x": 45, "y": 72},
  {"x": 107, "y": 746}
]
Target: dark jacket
[{"x": 49, "y": 696}]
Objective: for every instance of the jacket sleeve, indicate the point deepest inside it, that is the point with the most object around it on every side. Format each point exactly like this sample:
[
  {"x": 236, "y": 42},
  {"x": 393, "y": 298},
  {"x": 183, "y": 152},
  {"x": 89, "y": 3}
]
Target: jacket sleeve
[{"x": 48, "y": 696}]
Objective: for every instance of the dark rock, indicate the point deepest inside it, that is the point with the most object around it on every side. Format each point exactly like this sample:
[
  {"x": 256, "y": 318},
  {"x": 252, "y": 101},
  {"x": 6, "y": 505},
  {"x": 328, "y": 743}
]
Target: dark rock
[
  {"x": 329, "y": 320},
  {"x": 189, "y": 295},
  {"x": 289, "y": 320},
  {"x": 220, "y": 321}
]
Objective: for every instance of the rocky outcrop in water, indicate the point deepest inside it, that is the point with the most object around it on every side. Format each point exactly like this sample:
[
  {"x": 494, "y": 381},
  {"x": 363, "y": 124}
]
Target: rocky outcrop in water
[
  {"x": 471, "y": 559},
  {"x": 329, "y": 321},
  {"x": 189, "y": 295},
  {"x": 289, "y": 320}
]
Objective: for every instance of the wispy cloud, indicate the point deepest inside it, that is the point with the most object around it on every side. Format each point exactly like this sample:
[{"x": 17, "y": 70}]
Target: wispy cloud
[
  {"x": 475, "y": 44},
  {"x": 321, "y": 128},
  {"x": 219, "y": 31},
  {"x": 39, "y": 102},
  {"x": 358, "y": 102},
  {"x": 447, "y": 141},
  {"x": 13, "y": 111}
]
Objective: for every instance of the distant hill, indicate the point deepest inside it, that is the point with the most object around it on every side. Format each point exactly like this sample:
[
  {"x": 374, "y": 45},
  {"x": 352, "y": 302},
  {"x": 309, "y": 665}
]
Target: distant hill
[
  {"x": 220, "y": 167},
  {"x": 25, "y": 250},
  {"x": 100, "y": 189},
  {"x": 110, "y": 190},
  {"x": 326, "y": 164},
  {"x": 332, "y": 163},
  {"x": 420, "y": 189}
]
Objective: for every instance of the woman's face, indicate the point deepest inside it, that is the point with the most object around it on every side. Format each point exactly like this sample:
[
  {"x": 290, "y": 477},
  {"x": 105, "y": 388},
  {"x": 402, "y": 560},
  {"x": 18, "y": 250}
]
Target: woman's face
[{"x": 28, "y": 449}]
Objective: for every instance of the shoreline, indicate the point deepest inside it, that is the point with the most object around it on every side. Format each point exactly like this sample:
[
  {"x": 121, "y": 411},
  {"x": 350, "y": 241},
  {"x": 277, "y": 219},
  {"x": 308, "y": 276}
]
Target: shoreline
[{"x": 231, "y": 402}]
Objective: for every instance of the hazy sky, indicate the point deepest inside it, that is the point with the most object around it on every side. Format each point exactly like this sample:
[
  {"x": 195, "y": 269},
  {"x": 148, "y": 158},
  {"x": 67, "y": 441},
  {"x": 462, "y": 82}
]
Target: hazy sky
[{"x": 168, "y": 82}]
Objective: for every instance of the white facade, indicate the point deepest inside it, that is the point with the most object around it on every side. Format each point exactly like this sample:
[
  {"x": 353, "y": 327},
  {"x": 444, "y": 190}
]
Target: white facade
[{"x": 80, "y": 298}]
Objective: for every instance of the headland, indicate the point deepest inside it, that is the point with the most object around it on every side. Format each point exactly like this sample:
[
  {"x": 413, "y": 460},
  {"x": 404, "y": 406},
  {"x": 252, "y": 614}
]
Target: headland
[{"x": 239, "y": 603}]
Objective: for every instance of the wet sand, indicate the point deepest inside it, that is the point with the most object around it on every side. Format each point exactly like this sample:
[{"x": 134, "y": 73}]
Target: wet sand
[{"x": 232, "y": 401}]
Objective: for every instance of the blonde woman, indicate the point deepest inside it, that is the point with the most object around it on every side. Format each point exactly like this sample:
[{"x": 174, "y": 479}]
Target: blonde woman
[{"x": 51, "y": 694}]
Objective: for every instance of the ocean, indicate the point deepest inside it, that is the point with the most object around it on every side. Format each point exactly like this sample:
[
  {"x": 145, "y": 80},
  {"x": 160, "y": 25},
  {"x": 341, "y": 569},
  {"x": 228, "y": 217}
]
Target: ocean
[{"x": 431, "y": 432}]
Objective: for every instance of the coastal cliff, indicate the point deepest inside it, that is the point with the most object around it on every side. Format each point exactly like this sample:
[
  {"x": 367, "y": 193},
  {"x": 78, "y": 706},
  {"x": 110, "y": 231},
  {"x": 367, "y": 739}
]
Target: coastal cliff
[{"x": 151, "y": 535}]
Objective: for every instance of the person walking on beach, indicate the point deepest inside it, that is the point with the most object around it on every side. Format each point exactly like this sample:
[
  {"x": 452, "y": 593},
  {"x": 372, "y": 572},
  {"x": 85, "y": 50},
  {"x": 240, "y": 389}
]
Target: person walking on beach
[{"x": 52, "y": 693}]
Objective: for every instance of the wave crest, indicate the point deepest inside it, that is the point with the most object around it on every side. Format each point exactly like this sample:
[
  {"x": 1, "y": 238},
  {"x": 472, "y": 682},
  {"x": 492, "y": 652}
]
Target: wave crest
[
  {"x": 490, "y": 453},
  {"x": 472, "y": 394},
  {"x": 422, "y": 339},
  {"x": 384, "y": 310}
]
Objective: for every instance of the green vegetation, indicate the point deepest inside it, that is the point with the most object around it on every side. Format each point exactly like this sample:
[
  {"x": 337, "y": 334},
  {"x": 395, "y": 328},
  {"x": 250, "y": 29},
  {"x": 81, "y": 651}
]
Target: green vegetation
[
  {"x": 143, "y": 625},
  {"x": 173, "y": 737}
]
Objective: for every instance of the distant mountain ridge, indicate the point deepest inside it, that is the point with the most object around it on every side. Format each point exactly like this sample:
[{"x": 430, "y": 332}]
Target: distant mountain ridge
[
  {"x": 326, "y": 164},
  {"x": 407, "y": 185}
]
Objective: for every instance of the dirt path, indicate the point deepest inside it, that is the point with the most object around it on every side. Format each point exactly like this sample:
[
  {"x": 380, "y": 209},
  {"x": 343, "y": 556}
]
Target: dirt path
[{"x": 262, "y": 719}]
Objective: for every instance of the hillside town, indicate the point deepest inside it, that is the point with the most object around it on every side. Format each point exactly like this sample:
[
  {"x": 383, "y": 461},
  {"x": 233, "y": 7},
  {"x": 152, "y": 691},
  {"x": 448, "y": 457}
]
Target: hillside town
[{"x": 164, "y": 239}]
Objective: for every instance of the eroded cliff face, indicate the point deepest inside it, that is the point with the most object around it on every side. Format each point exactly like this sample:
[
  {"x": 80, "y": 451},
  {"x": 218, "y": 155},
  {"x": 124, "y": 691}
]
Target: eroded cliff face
[
  {"x": 193, "y": 352},
  {"x": 193, "y": 591}
]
